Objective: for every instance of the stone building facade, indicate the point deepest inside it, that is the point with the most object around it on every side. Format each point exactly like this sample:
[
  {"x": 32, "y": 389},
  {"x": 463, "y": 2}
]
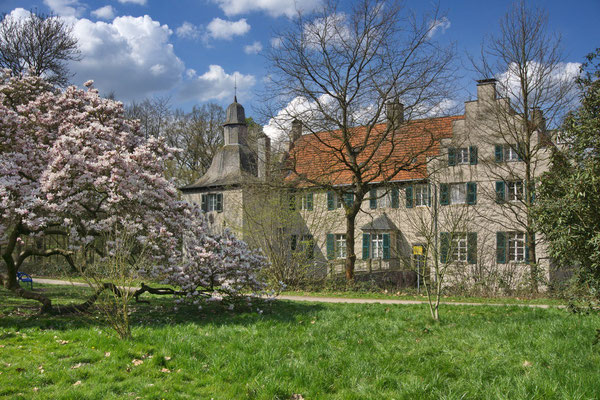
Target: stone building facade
[{"x": 464, "y": 205}]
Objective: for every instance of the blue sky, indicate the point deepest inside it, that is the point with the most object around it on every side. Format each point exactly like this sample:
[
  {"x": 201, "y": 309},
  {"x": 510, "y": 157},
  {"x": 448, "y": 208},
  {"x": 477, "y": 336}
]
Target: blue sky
[{"x": 190, "y": 50}]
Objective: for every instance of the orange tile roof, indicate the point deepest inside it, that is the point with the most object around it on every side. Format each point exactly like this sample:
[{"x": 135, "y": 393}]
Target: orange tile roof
[{"x": 322, "y": 159}]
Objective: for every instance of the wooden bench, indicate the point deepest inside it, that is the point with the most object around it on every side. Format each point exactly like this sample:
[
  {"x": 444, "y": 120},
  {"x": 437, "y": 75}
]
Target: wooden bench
[{"x": 23, "y": 277}]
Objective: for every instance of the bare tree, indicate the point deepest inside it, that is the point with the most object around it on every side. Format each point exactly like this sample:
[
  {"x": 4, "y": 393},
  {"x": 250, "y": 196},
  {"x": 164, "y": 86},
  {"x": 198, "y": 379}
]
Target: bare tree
[
  {"x": 153, "y": 113},
  {"x": 336, "y": 71},
  {"x": 528, "y": 64},
  {"x": 40, "y": 44},
  {"x": 198, "y": 134}
]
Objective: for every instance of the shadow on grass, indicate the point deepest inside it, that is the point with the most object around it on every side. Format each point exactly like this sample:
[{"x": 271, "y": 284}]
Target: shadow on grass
[{"x": 18, "y": 313}]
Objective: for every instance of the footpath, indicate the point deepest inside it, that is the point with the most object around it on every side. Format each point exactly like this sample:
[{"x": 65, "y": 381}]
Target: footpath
[{"x": 342, "y": 299}]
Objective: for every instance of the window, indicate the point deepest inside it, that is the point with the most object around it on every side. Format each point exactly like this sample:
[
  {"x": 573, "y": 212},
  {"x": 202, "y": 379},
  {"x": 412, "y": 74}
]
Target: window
[
  {"x": 462, "y": 155},
  {"x": 383, "y": 198},
  {"x": 458, "y": 247},
  {"x": 514, "y": 190},
  {"x": 516, "y": 246},
  {"x": 509, "y": 191},
  {"x": 511, "y": 247},
  {"x": 333, "y": 200},
  {"x": 376, "y": 245},
  {"x": 306, "y": 201},
  {"x": 418, "y": 195},
  {"x": 422, "y": 195},
  {"x": 212, "y": 202},
  {"x": 507, "y": 152},
  {"x": 458, "y": 193},
  {"x": 340, "y": 246}
]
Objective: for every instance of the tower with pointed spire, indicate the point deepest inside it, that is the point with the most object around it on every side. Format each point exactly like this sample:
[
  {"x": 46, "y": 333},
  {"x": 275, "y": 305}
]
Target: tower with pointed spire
[{"x": 220, "y": 191}]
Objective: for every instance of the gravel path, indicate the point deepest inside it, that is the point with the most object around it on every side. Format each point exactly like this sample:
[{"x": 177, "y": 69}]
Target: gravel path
[{"x": 342, "y": 299}]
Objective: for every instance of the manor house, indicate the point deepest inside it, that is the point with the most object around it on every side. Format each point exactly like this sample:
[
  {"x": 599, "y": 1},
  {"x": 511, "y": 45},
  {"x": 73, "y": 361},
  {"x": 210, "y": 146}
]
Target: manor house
[{"x": 462, "y": 199}]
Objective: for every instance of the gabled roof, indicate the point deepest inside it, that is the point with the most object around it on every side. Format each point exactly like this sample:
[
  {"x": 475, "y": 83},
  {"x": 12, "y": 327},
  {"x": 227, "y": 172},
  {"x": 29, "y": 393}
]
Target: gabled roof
[
  {"x": 317, "y": 158},
  {"x": 381, "y": 223}
]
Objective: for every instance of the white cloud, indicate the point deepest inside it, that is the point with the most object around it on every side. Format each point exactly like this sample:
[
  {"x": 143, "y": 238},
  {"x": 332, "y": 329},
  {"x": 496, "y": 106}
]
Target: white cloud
[
  {"x": 274, "y": 8},
  {"x": 20, "y": 13},
  {"x": 65, "y": 8},
  {"x": 139, "y": 2},
  {"x": 438, "y": 25},
  {"x": 216, "y": 84},
  {"x": 131, "y": 56},
  {"x": 253, "y": 48},
  {"x": 276, "y": 42},
  {"x": 543, "y": 79},
  {"x": 188, "y": 30},
  {"x": 106, "y": 12},
  {"x": 221, "y": 29}
]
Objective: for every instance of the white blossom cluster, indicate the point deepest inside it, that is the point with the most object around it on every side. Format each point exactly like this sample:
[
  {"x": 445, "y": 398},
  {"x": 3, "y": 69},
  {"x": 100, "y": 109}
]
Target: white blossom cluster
[{"x": 71, "y": 162}]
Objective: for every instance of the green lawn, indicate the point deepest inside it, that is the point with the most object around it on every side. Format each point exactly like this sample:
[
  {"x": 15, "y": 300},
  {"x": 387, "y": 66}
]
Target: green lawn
[
  {"x": 321, "y": 351},
  {"x": 423, "y": 297}
]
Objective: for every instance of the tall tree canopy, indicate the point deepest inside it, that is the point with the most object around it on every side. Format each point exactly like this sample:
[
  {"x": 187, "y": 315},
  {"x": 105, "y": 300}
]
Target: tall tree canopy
[{"x": 568, "y": 209}]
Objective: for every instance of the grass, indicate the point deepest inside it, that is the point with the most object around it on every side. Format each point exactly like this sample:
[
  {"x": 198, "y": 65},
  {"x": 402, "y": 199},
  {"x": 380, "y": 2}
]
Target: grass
[
  {"x": 423, "y": 297},
  {"x": 321, "y": 351}
]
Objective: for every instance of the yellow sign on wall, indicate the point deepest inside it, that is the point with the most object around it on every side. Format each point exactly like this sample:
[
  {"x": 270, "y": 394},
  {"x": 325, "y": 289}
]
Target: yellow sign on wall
[{"x": 418, "y": 250}]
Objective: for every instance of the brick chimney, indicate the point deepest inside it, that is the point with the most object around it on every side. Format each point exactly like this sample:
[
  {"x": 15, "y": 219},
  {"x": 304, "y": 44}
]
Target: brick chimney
[
  {"x": 394, "y": 111},
  {"x": 296, "y": 132}
]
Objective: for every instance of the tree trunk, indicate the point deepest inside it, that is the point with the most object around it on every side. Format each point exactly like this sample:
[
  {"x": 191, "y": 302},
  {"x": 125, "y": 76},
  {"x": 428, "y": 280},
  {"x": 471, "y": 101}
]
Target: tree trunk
[{"x": 350, "y": 256}]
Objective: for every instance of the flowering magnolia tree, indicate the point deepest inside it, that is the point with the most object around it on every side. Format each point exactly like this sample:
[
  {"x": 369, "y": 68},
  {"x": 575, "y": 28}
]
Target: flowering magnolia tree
[{"x": 72, "y": 165}]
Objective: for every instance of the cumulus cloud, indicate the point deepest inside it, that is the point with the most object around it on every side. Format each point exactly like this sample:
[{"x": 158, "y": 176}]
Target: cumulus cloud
[
  {"x": 274, "y": 8},
  {"x": 543, "y": 79},
  {"x": 438, "y": 25},
  {"x": 139, "y": 2},
  {"x": 187, "y": 30},
  {"x": 253, "y": 48},
  {"x": 131, "y": 56},
  {"x": 65, "y": 8},
  {"x": 106, "y": 12},
  {"x": 221, "y": 29},
  {"x": 215, "y": 84}
]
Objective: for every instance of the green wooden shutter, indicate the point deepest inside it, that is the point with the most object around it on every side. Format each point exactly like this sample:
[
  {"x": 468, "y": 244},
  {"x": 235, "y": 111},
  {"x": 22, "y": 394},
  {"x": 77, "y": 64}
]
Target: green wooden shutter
[
  {"x": 204, "y": 202},
  {"x": 294, "y": 242},
  {"x": 386, "y": 246},
  {"x": 310, "y": 248},
  {"x": 473, "y": 155},
  {"x": 330, "y": 201},
  {"x": 499, "y": 152},
  {"x": 409, "y": 196},
  {"x": 429, "y": 194},
  {"x": 220, "y": 202},
  {"x": 444, "y": 194},
  {"x": 472, "y": 247},
  {"x": 501, "y": 247},
  {"x": 349, "y": 199},
  {"x": 500, "y": 192},
  {"x": 366, "y": 246},
  {"x": 330, "y": 246},
  {"x": 444, "y": 246},
  {"x": 451, "y": 156},
  {"x": 471, "y": 192},
  {"x": 395, "y": 197},
  {"x": 373, "y": 199}
]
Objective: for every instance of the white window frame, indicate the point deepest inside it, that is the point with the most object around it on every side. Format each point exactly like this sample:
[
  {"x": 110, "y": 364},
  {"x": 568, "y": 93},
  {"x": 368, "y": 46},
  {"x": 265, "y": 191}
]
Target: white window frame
[
  {"x": 376, "y": 246},
  {"x": 458, "y": 187},
  {"x": 460, "y": 247},
  {"x": 340, "y": 246},
  {"x": 516, "y": 247},
  {"x": 510, "y": 153},
  {"x": 304, "y": 201},
  {"x": 421, "y": 194},
  {"x": 514, "y": 190},
  {"x": 462, "y": 155}
]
